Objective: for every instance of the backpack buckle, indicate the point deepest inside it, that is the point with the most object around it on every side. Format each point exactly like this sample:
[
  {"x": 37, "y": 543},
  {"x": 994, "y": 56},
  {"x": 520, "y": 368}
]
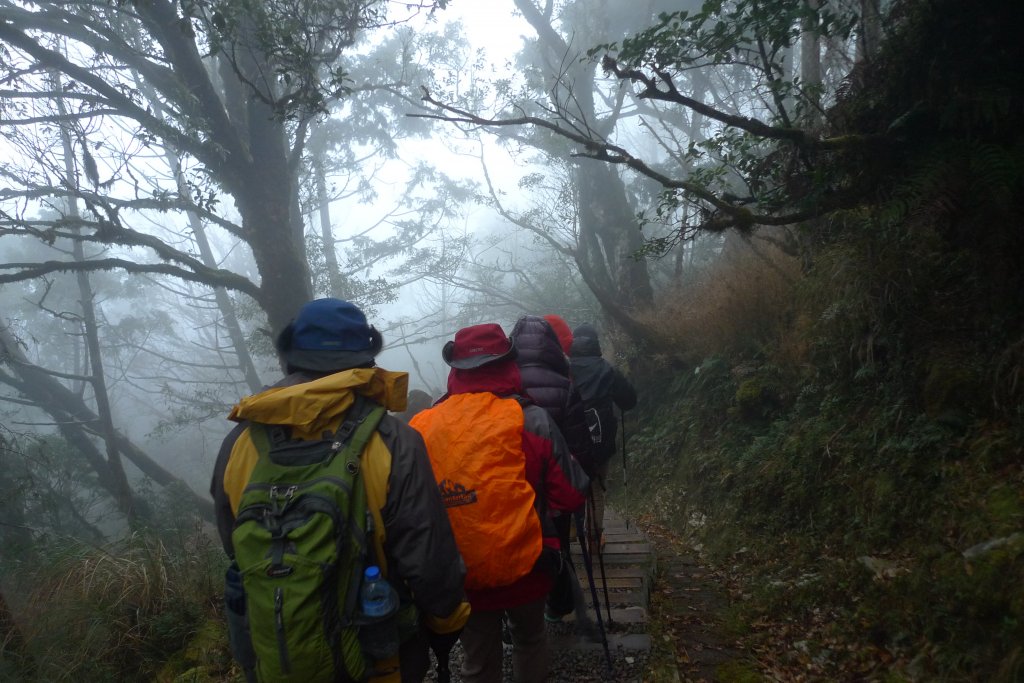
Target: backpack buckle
[
  {"x": 277, "y": 435},
  {"x": 343, "y": 434}
]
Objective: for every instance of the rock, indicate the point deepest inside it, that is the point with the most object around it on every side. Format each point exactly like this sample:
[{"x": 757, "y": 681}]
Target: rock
[
  {"x": 981, "y": 549},
  {"x": 881, "y": 568}
]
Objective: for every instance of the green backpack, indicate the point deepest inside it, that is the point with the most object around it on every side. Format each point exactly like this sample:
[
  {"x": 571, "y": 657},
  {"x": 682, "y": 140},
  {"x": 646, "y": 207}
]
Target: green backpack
[{"x": 300, "y": 542}]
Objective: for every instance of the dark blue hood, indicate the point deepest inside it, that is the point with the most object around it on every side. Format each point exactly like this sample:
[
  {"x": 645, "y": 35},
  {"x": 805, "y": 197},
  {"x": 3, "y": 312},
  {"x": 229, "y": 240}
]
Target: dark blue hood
[{"x": 585, "y": 342}]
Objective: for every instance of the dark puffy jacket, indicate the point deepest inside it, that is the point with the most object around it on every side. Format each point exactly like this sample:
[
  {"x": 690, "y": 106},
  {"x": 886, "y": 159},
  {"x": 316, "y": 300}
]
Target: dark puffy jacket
[
  {"x": 601, "y": 387},
  {"x": 544, "y": 370}
]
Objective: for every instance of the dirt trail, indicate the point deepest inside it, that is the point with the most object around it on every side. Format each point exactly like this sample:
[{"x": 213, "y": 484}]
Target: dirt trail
[{"x": 688, "y": 605}]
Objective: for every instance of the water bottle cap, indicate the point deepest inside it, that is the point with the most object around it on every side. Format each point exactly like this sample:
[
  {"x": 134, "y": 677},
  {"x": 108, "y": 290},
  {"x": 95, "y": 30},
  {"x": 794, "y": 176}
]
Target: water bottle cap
[{"x": 372, "y": 573}]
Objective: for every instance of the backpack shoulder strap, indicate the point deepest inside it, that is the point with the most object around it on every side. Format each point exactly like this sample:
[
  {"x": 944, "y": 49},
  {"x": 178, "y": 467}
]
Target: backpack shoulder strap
[
  {"x": 353, "y": 434},
  {"x": 359, "y": 424}
]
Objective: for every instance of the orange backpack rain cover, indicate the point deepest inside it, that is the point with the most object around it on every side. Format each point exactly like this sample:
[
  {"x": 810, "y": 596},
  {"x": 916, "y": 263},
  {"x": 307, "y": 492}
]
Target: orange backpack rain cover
[{"x": 475, "y": 443}]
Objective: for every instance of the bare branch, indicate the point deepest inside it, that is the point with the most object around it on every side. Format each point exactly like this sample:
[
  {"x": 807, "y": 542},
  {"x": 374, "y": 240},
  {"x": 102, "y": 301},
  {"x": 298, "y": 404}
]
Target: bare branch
[
  {"x": 666, "y": 91},
  {"x": 206, "y": 276}
]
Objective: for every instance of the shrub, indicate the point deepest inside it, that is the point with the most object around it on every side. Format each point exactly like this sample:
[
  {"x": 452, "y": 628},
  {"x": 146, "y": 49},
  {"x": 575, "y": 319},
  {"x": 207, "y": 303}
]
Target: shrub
[
  {"x": 739, "y": 306},
  {"x": 114, "y": 612}
]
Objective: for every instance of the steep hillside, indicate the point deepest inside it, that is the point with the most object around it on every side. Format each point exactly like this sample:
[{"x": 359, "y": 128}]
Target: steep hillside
[{"x": 852, "y": 442}]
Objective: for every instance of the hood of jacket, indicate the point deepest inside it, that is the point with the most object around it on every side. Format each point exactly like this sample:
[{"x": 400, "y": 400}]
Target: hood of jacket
[
  {"x": 585, "y": 342},
  {"x": 501, "y": 378},
  {"x": 537, "y": 344},
  {"x": 312, "y": 407}
]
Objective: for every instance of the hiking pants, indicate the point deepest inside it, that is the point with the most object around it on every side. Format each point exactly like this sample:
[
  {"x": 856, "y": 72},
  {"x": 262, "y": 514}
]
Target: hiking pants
[{"x": 481, "y": 641}]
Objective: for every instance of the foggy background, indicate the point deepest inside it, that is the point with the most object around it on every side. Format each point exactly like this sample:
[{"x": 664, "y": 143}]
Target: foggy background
[{"x": 430, "y": 225}]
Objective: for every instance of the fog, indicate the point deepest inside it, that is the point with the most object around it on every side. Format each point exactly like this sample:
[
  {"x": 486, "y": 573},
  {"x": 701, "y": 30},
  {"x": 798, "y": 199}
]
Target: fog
[{"x": 171, "y": 198}]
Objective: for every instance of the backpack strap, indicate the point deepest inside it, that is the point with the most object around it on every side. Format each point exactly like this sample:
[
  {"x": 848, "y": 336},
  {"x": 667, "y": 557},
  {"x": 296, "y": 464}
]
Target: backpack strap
[{"x": 353, "y": 434}]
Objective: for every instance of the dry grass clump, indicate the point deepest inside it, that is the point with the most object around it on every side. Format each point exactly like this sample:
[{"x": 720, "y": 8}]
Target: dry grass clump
[
  {"x": 741, "y": 306},
  {"x": 105, "y": 613}
]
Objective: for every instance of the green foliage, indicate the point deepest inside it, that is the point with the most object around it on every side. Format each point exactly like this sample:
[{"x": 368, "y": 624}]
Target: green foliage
[
  {"x": 884, "y": 485},
  {"x": 300, "y": 41},
  {"x": 727, "y": 32},
  {"x": 53, "y": 493},
  {"x": 116, "y": 611}
]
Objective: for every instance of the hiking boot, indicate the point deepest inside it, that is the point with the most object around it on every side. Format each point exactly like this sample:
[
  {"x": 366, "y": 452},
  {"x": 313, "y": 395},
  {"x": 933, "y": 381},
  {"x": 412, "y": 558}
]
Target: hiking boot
[{"x": 551, "y": 617}]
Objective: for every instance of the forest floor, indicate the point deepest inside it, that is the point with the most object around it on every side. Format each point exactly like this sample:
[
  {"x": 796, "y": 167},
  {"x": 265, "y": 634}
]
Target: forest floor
[
  {"x": 689, "y": 614},
  {"x": 705, "y": 626}
]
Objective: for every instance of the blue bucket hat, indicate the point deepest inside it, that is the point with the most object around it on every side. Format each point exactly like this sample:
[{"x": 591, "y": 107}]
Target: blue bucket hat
[{"x": 329, "y": 335}]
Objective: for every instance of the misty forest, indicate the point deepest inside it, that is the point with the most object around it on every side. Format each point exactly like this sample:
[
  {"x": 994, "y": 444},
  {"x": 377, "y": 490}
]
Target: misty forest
[{"x": 796, "y": 224}]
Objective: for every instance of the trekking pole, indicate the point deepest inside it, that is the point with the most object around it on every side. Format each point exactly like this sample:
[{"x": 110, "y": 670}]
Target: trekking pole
[
  {"x": 600, "y": 559},
  {"x": 581, "y": 534},
  {"x": 625, "y": 492}
]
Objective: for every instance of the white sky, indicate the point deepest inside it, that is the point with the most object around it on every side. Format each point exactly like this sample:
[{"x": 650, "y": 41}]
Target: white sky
[
  {"x": 495, "y": 28},
  {"x": 490, "y": 24}
]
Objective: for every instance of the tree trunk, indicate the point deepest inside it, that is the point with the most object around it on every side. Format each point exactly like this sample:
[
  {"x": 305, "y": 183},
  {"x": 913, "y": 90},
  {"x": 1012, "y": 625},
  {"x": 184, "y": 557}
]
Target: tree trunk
[
  {"x": 335, "y": 280},
  {"x": 810, "y": 54},
  {"x": 610, "y": 238},
  {"x": 266, "y": 198},
  {"x": 122, "y": 491},
  {"x": 870, "y": 34},
  {"x": 608, "y": 234},
  {"x": 225, "y": 306},
  {"x": 73, "y": 418},
  {"x": 224, "y": 303}
]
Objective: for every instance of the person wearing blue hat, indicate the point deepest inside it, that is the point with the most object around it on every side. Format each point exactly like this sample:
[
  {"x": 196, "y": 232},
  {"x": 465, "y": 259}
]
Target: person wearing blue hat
[{"x": 285, "y": 435}]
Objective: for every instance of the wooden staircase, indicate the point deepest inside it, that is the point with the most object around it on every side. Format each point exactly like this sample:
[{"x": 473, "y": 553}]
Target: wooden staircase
[{"x": 629, "y": 564}]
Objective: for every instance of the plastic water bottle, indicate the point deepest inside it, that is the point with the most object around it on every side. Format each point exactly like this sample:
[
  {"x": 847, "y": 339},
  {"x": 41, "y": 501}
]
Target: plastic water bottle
[
  {"x": 379, "y": 634},
  {"x": 377, "y": 596}
]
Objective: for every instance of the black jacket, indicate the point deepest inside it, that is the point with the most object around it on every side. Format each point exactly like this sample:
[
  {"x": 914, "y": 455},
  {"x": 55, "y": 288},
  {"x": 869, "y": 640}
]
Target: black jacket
[{"x": 601, "y": 387}]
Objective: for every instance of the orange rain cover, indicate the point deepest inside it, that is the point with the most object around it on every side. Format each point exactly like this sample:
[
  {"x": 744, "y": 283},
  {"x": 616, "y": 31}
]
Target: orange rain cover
[{"x": 475, "y": 443}]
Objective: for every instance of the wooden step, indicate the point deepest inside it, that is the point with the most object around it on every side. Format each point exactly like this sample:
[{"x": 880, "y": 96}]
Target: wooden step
[
  {"x": 620, "y": 615},
  {"x": 637, "y": 642}
]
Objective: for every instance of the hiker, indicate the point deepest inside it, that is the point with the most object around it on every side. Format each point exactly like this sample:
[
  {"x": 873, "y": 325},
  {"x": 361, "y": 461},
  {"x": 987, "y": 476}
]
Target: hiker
[
  {"x": 502, "y": 466},
  {"x": 544, "y": 369},
  {"x": 275, "y": 497},
  {"x": 602, "y": 388}
]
